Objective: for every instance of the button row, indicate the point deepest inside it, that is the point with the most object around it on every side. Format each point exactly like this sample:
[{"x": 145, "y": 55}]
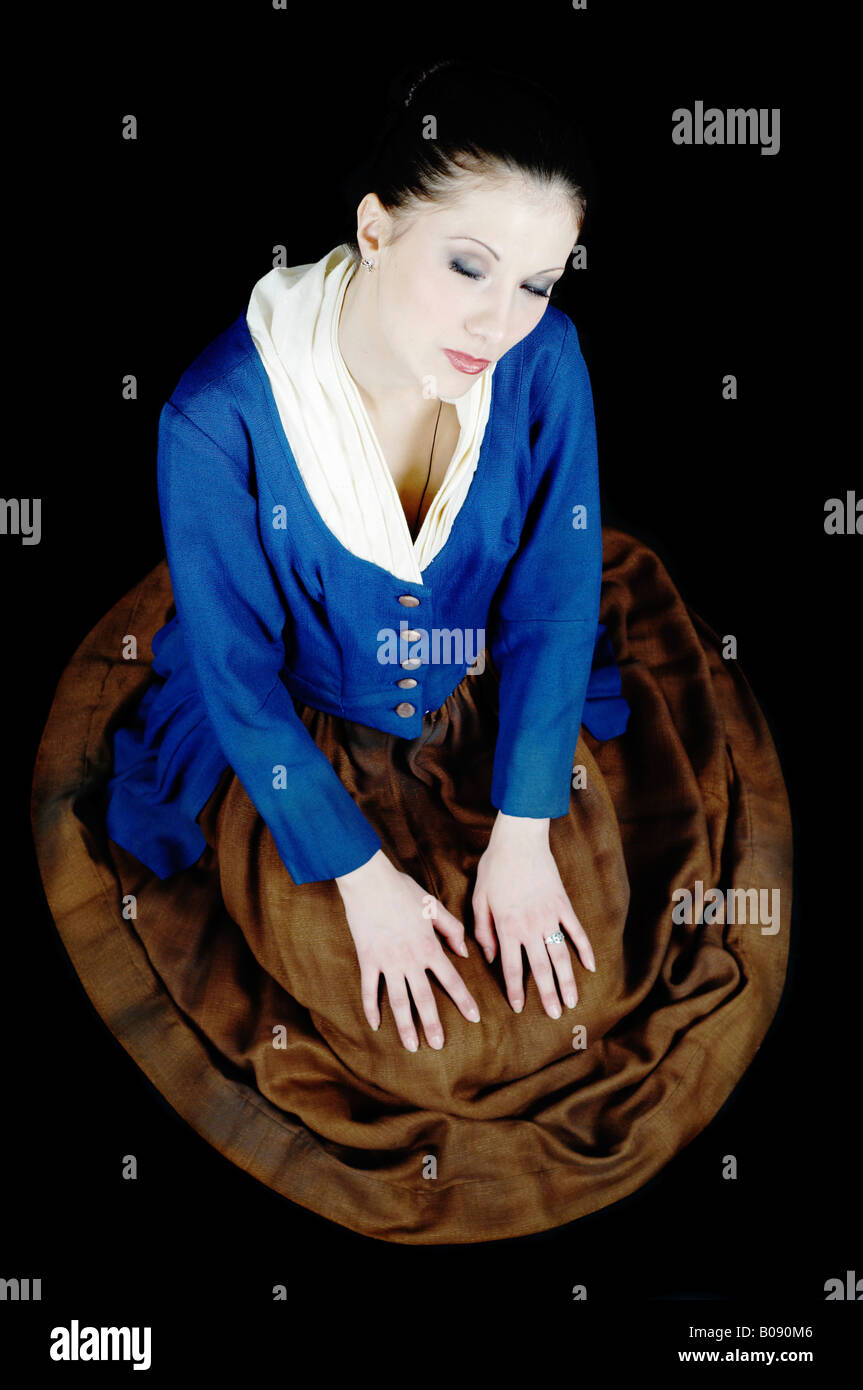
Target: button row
[{"x": 406, "y": 709}]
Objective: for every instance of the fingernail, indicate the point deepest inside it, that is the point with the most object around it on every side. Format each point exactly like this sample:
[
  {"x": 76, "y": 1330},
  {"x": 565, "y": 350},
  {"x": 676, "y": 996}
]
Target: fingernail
[
  {"x": 473, "y": 1015},
  {"x": 554, "y": 1011},
  {"x": 571, "y": 1001},
  {"x": 412, "y": 1044},
  {"x": 436, "y": 1041},
  {"x": 464, "y": 949},
  {"x": 376, "y": 1026},
  {"x": 518, "y": 1006}
]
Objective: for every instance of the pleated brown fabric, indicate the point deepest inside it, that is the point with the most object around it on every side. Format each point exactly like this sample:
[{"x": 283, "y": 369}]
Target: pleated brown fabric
[{"x": 238, "y": 992}]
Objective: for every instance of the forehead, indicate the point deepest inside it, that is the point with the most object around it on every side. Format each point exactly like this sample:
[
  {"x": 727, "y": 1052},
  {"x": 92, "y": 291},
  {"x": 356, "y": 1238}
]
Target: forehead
[{"x": 505, "y": 212}]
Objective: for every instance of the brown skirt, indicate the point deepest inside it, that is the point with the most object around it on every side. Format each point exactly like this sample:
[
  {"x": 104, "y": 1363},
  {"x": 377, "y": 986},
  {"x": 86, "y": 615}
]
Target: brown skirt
[{"x": 237, "y": 992}]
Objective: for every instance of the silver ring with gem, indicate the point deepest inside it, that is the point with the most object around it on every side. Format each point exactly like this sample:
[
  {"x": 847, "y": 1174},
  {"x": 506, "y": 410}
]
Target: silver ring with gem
[{"x": 556, "y": 939}]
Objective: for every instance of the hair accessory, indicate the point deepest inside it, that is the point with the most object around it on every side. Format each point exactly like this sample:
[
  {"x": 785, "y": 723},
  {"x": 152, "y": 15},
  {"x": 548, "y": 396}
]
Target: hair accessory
[{"x": 426, "y": 74}]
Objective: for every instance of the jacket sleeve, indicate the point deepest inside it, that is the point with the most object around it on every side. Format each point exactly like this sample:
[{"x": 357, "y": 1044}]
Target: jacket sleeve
[
  {"x": 545, "y": 612},
  {"x": 232, "y": 615}
]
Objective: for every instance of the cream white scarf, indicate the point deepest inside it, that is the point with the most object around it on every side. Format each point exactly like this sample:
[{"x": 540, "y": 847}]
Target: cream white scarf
[{"x": 293, "y": 317}]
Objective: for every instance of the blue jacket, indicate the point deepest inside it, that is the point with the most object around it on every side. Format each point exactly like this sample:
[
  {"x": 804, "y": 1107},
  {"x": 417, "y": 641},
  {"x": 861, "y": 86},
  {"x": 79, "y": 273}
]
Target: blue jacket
[{"x": 271, "y": 607}]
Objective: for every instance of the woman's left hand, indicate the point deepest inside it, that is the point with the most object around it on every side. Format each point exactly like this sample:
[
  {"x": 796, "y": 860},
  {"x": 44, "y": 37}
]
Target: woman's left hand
[{"x": 519, "y": 896}]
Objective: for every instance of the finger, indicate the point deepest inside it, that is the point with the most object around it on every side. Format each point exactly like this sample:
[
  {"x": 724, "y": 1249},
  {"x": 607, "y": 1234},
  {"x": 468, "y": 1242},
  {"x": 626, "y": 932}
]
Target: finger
[
  {"x": 510, "y": 956},
  {"x": 449, "y": 927},
  {"x": 558, "y": 953},
  {"x": 482, "y": 927},
  {"x": 427, "y": 1009},
  {"x": 578, "y": 934},
  {"x": 540, "y": 964},
  {"x": 369, "y": 978},
  {"x": 455, "y": 987},
  {"x": 400, "y": 1005}
]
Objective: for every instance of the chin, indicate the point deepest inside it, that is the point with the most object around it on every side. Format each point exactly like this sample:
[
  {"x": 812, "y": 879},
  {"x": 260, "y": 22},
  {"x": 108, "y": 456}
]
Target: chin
[
  {"x": 464, "y": 383},
  {"x": 453, "y": 389}
]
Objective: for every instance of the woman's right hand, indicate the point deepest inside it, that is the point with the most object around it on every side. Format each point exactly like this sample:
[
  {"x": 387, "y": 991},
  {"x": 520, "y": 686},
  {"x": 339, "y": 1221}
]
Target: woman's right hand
[{"x": 392, "y": 921}]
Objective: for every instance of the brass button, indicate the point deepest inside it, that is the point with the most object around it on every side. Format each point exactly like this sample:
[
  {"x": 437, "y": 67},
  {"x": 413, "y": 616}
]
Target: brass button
[
  {"x": 405, "y": 709},
  {"x": 410, "y": 634},
  {"x": 407, "y": 684},
  {"x": 410, "y": 663},
  {"x": 409, "y": 601}
]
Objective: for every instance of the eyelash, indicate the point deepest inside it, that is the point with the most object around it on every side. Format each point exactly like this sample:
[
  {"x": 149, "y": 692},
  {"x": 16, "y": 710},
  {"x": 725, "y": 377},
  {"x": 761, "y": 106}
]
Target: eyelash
[{"x": 537, "y": 294}]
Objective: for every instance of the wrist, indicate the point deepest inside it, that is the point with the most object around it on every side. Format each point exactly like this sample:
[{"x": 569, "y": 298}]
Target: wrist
[
  {"x": 532, "y": 827},
  {"x": 365, "y": 873}
]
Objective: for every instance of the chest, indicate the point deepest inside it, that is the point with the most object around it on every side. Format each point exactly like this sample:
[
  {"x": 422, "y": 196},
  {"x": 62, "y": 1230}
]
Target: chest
[{"x": 407, "y": 446}]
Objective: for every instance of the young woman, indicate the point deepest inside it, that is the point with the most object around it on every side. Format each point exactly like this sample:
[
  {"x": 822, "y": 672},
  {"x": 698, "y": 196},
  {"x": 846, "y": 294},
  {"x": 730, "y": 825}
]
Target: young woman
[{"x": 382, "y": 717}]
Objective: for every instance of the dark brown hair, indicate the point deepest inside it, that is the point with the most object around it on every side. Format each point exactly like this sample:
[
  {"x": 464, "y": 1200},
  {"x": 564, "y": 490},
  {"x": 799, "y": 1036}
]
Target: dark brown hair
[{"x": 489, "y": 123}]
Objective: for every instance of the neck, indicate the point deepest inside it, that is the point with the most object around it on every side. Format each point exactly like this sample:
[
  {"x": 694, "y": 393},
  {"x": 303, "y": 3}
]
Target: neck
[{"x": 381, "y": 380}]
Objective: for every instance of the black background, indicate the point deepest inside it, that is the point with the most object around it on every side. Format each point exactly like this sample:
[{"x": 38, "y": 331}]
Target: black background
[{"x": 129, "y": 257}]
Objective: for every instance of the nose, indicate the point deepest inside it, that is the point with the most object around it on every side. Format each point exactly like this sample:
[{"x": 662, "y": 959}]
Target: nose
[{"x": 487, "y": 327}]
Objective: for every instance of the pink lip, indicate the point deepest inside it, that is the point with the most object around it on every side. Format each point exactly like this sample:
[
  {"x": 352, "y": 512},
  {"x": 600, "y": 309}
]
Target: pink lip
[{"x": 463, "y": 363}]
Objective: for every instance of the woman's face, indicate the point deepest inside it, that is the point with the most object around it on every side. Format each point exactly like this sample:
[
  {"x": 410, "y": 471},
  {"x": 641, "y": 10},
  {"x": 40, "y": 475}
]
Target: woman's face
[{"x": 469, "y": 278}]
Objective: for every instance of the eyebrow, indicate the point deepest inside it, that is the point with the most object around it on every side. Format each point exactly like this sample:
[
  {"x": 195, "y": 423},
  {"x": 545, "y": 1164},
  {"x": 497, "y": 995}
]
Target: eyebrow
[{"x": 496, "y": 256}]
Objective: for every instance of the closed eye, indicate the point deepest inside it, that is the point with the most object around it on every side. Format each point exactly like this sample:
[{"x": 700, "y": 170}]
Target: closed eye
[{"x": 474, "y": 275}]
